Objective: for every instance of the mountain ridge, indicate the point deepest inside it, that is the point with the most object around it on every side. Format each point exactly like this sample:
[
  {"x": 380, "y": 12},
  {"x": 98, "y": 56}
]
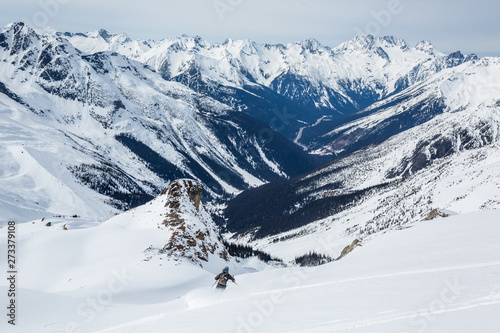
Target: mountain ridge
[{"x": 314, "y": 81}]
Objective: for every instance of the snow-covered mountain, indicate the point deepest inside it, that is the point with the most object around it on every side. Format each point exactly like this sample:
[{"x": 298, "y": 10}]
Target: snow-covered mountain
[
  {"x": 85, "y": 134},
  {"x": 469, "y": 86},
  {"x": 451, "y": 161},
  {"x": 300, "y": 84}
]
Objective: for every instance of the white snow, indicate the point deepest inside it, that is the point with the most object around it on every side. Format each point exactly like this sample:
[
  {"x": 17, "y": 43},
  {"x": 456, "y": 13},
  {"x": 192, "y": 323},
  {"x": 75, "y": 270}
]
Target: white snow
[
  {"x": 436, "y": 276},
  {"x": 43, "y": 135}
]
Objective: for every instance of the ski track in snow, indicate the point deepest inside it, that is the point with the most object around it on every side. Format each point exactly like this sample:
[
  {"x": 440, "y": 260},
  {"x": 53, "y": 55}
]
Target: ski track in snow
[
  {"x": 480, "y": 302},
  {"x": 135, "y": 323},
  {"x": 406, "y": 315},
  {"x": 379, "y": 276}
]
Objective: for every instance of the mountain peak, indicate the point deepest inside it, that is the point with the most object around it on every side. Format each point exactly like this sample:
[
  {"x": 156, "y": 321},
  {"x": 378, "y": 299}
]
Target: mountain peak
[
  {"x": 362, "y": 42},
  {"x": 425, "y": 46},
  {"x": 370, "y": 42},
  {"x": 311, "y": 44},
  {"x": 113, "y": 38},
  {"x": 20, "y": 27},
  {"x": 103, "y": 33},
  {"x": 186, "y": 42},
  {"x": 392, "y": 41},
  {"x": 15, "y": 25}
]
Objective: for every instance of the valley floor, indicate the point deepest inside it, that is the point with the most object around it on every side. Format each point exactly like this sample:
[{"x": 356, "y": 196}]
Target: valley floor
[{"x": 435, "y": 276}]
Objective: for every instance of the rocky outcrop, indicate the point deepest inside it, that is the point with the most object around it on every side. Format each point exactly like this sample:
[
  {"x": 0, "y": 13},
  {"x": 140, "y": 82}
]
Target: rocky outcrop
[
  {"x": 176, "y": 192},
  {"x": 435, "y": 213},
  {"x": 349, "y": 248},
  {"x": 194, "y": 235}
]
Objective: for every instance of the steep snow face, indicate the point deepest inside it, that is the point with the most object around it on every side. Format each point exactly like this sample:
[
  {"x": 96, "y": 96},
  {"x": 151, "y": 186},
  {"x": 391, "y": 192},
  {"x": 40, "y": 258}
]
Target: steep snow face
[
  {"x": 451, "y": 161},
  {"x": 111, "y": 124}
]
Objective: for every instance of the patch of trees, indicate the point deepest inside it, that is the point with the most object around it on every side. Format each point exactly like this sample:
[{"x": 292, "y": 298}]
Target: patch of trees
[
  {"x": 313, "y": 259},
  {"x": 245, "y": 251}
]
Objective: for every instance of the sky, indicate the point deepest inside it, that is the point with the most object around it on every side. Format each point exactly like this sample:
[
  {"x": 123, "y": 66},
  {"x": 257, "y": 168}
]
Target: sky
[{"x": 451, "y": 25}]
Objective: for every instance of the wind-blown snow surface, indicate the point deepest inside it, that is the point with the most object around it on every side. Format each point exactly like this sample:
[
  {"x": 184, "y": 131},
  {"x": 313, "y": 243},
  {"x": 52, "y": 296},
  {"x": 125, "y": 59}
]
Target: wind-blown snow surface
[{"x": 435, "y": 276}]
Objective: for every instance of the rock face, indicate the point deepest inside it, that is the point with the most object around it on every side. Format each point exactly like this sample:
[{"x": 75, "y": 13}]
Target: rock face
[
  {"x": 176, "y": 191},
  {"x": 194, "y": 234}
]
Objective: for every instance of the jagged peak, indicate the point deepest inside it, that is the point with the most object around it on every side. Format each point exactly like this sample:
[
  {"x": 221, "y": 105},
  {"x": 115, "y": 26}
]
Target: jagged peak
[
  {"x": 17, "y": 26},
  {"x": 370, "y": 42},
  {"x": 240, "y": 43},
  {"x": 181, "y": 189},
  {"x": 425, "y": 46},
  {"x": 392, "y": 41},
  {"x": 194, "y": 235},
  {"x": 460, "y": 55},
  {"x": 186, "y": 42},
  {"x": 472, "y": 56},
  {"x": 311, "y": 44},
  {"x": 106, "y": 36},
  {"x": 188, "y": 231},
  {"x": 103, "y": 33},
  {"x": 457, "y": 58},
  {"x": 20, "y": 28},
  {"x": 362, "y": 42}
]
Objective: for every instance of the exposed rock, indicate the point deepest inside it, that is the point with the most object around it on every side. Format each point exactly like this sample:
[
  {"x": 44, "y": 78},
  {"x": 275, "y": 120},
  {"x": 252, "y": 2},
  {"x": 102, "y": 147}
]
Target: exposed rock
[
  {"x": 176, "y": 192},
  {"x": 434, "y": 213},
  {"x": 194, "y": 235},
  {"x": 349, "y": 248}
]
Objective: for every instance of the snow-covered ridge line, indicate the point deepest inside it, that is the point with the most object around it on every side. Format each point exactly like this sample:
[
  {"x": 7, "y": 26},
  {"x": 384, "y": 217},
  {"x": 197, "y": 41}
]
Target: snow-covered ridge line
[
  {"x": 263, "y": 63},
  {"x": 316, "y": 80}
]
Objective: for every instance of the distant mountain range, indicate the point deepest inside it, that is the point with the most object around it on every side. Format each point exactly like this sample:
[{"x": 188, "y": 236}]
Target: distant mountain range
[
  {"x": 95, "y": 123},
  {"x": 301, "y": 89}
]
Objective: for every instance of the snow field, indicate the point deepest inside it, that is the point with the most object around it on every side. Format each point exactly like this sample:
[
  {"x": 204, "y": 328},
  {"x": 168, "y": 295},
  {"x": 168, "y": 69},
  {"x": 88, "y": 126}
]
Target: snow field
[{"x": 436, "y": 276}]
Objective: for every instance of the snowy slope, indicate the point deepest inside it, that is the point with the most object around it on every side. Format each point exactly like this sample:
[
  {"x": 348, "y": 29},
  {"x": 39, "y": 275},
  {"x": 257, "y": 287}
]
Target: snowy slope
[{"x": 436, "y": 276}]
